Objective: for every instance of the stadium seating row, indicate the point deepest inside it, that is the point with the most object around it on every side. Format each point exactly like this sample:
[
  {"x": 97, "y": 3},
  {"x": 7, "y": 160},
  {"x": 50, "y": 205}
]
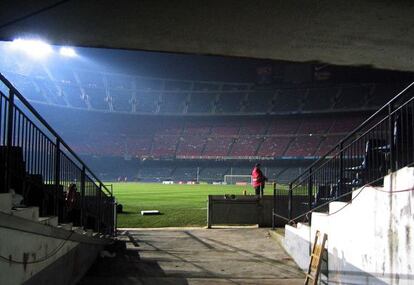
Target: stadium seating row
[
  {"x": 200, "y": 138},
  {"x": 190, "y": 147},
  {"x": 115, "y": 93}
]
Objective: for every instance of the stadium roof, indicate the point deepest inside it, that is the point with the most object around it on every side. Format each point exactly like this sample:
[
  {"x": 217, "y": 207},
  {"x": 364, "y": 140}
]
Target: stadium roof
[{"x": 373, "y": 33}]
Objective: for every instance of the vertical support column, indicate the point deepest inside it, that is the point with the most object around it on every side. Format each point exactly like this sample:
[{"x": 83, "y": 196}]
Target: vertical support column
[
  {"x": 82, "y": 201},
  {"x": 290, "y": 202},
  {"x": 392, "y": 157},
  {"x": 57, "y": 177},
  {"x": 9, "y": 142}
]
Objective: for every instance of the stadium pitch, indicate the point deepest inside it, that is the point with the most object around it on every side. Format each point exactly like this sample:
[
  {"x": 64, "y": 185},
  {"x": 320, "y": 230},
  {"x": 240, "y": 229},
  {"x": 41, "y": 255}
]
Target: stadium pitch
[{"x": 180, "y": 204}]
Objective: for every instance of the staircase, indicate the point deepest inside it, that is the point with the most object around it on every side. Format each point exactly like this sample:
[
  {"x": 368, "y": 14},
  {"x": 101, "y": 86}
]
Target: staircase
[
  {"x": 40, "y": 250},
  {"x": 43, "y": 240},
  {"x": 369, "y": 238},
  {"x": 36, "y": 163},
  {"x": 28, "y": 213}
]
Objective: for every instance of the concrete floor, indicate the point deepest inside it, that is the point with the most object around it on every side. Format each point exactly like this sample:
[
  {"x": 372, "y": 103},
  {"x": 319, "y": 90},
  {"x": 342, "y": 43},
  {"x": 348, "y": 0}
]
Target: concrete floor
[{"x": 197, "y": 256}]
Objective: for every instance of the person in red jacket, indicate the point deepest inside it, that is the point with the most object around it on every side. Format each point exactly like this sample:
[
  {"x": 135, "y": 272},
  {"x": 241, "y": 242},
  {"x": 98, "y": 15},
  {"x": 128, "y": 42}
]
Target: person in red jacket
[{"x": 258, "y": 180}]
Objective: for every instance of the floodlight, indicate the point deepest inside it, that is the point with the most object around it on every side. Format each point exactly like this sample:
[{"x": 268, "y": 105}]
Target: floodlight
[
  {"x": 33, "y": 48},
  {"x": 67, "y": 51}
]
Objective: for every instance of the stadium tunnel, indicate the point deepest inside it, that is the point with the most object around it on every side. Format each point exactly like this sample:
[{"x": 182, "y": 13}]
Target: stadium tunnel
[{"x": 366, "y": 45}]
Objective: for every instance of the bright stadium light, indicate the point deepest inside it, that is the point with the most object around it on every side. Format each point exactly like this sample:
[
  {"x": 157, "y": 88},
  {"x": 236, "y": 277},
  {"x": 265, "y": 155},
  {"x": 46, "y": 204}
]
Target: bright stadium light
[
  {"x": 67, "y": 51},
  {"x": 33, "y": 48}
]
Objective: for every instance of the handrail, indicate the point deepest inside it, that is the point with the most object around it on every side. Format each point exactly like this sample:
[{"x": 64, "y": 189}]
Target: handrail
[
  {"x": 306, "y": 171},
  {"x": 10, "y": 86}
]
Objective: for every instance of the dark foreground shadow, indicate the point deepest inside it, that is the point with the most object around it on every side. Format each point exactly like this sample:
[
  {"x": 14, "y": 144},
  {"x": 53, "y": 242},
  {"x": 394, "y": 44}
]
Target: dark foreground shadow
[{"x": 127, "y": 268}]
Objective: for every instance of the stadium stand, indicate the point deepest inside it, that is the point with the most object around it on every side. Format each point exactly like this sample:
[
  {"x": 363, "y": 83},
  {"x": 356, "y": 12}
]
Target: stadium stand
[
  {"x": 258, "y": 102},
  {"x": 319, "y": 99},
  {"x": 245, "y": 146},
  {"x": 191, "y": 146},
  {"x": 286, "y": 175},
  {"x": 173, "y": 102},
  {"x": 274, "y": 146},
  {"x": 133, "y": 117},
  {"x": 159, "y": 173},
  {"x": 147, "y": 102},
  {"x": 174, "y": 137},
  {"x": 353, "y": 97},
  {"x": 217, "y": 146},
  {"x": 288, "y": 100},
  {"x": 164, "y": 146},
  {"x": 201, "y": 102},
  {"x": 303, "y": 146},
  {"x": 98, "y": 99},
  {"x": 122, "y": 100},
  {"x": 314, "y": 126},
  {"x": 213, "y": 173},
  {"x": 229, "y": 102},
  {"x": 184, "y": 174},
  {"x": 125, "y": 93},
  {"x": 327, "y": 144}
]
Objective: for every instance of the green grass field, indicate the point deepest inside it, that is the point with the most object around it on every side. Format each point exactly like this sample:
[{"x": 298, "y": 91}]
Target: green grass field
[{"x": 180, "y": 205}]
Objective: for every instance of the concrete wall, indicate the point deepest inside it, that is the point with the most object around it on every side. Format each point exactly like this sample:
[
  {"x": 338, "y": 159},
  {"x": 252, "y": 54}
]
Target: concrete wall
[
  {"x": 234, "y": 210},
  {"x": 370, "y": 241},
  {"x": 239, "y": 209},
  {"x": 369, "y": 33},
  {"x": 297, "y": 244},
  {"x": 33, "y": 253}
]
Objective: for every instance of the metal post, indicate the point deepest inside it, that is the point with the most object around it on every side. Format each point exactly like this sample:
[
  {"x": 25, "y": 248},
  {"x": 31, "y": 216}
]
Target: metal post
[
  {"x": 274, "y": 205},
  {"x": 392, "y": 157},
  {"x": 290, "y": 202},
  {"x": 341, "y": 170},
  {"x": 209, "y": 211},
  {"x": 57, "y": 176},
  {"x": 82, "y": 201},
  {"x": 310, "y": 189},
  {"x": 9, "y": 142},
  {"x": 99, "y": 197}
]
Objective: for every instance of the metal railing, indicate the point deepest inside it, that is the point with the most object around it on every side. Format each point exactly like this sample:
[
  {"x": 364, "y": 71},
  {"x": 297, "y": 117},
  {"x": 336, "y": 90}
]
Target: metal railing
[
  {"x": 37, "y": 164},
  {"x": 380, "y": 145}
]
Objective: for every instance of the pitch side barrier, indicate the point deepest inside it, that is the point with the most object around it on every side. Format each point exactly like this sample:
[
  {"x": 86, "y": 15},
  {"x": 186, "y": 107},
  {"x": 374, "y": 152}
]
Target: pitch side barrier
[
  {"x": 382, "y": 144},
  {"x": 39, "y": 165}
]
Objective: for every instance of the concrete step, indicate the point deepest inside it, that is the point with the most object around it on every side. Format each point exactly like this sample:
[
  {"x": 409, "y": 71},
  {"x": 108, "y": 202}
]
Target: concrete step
[
  {"x": 50, "y": 221},
  {"x": 402, "y": 179},
  {"x": 67, "y": 226},
  {"x": 336, "y": 206},
  {"x": 89, "y": 232},
  {"x": 6, "y": 202},
  {"x": 78, "y": 230},
  {"x": 29, "y": 213}
]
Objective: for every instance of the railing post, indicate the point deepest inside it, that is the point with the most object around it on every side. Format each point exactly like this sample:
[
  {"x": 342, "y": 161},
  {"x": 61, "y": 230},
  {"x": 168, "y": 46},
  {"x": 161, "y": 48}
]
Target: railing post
[
  {"x": 99, "y": 197},
  {"x": 57, "y": 176},
  {"x": 290, "y": 202},
  {"x": 341, "y": 170},
  {"x": 391, "y": 140},
  {"x": 310, "y": 189},
  {"x": 274, "y": 205},
  {"x": 9, "y": 142},
  {"x": 82, "y": 201}
]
